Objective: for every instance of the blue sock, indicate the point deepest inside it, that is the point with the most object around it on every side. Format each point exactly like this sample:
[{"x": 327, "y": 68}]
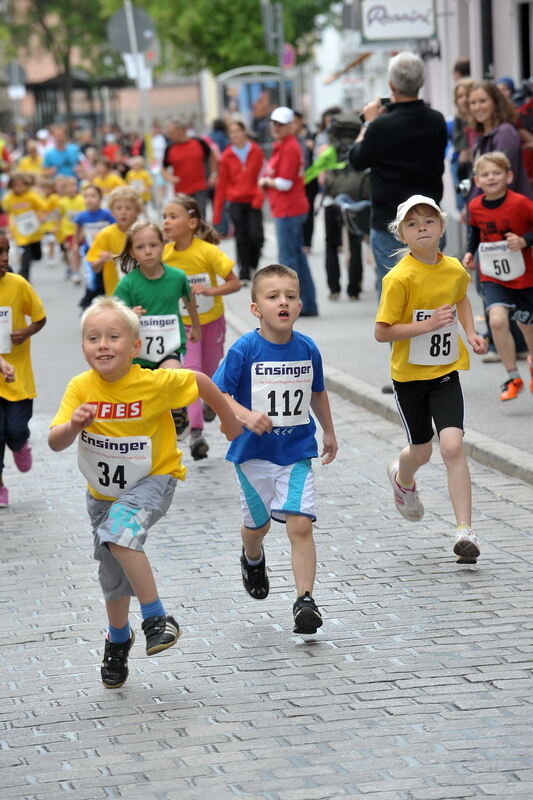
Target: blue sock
[
  {"x": 119, "y": 635},
  {"x": 155, "y": 609}
]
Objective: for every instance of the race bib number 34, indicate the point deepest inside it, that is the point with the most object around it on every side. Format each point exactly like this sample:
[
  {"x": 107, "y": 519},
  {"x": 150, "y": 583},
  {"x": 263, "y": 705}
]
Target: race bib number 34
[
  {"x": 435, "y": 347},
  {"x": 113, "y": 464},
  {"x": 282, "y": 391}
]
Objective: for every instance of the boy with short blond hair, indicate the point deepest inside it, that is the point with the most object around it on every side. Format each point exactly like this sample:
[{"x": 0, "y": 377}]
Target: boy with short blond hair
[{"x": 273, "y": 376}]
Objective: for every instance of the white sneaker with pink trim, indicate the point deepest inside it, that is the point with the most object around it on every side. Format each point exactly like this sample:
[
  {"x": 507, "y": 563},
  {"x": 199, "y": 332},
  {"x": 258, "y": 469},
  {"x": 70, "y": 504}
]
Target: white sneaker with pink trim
[{"x": 407, "y": 501}]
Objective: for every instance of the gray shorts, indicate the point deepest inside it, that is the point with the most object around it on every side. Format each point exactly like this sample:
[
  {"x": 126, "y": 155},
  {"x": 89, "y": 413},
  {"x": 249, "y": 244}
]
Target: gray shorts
[{"x": 125, "y": 522}]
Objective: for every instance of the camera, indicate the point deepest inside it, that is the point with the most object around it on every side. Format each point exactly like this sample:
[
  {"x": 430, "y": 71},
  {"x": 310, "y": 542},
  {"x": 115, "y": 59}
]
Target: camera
[
  {"x": 463, "y": 187},
  {"x": 385, "y": 101}
]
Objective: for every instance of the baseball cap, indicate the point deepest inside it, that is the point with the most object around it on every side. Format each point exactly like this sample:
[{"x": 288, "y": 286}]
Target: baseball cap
[
  {"x": 283, "y": 115},
  {"x": 415, "y": 200},
  {"x": 42, "y": 133}
]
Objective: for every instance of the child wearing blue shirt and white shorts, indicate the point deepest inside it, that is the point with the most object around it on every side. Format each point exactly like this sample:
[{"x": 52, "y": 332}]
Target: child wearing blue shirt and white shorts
[{"x": 273, "y": 376}]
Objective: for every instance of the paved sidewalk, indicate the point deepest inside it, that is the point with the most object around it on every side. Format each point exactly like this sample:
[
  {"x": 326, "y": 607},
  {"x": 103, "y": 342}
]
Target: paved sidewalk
[{"x": 418, "y": 686}]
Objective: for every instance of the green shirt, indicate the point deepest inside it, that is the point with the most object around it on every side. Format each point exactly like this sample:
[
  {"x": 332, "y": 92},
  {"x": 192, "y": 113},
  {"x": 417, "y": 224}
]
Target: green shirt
[{"x": 160, "y": 297}]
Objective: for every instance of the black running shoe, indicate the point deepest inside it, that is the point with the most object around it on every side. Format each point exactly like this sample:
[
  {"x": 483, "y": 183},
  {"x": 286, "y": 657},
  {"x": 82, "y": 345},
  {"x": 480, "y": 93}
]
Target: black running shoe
[
  {"x": 161, "y": 633},
  {"x": 307, "y": 617},
  {"x": 209, "y": 414},
  {"x": 199, "y": 446},
  {"x": 255, "y": 578},
  {"x": 181, "y": 422},
  {"x": 114, "y": 669}
]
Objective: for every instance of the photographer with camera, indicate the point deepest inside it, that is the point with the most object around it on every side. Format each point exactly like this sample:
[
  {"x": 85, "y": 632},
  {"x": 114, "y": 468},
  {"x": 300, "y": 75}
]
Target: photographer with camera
[{"x": 403, "y": 141}]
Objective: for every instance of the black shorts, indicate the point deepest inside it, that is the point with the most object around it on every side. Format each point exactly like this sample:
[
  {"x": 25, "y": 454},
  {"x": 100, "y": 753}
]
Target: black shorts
[
  {"x": 176, "y": 354},
  {"x": 518, "y": 301},
  {"x": 34, "y": 249},
  {"x": 421, "y": 403}
]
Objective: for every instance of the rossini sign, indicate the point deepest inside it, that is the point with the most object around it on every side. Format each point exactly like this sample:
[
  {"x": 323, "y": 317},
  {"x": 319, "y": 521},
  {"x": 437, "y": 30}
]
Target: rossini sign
[{"x": 397, "y": 19}]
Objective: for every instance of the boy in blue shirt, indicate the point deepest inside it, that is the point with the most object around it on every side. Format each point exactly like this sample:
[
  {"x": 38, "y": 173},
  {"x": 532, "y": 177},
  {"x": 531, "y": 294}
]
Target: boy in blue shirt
[{"x": 273, "y": 376}]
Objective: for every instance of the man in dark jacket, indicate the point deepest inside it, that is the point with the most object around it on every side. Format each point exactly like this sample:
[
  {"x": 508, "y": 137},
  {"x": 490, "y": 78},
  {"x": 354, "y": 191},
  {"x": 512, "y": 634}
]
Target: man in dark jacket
[{"x": 403, "y": 142}]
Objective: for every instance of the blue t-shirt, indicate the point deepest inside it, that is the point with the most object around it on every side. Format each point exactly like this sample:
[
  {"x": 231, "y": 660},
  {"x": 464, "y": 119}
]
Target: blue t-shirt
[
  {"x": 91, "y": 223},
  {"x": 64, "y": 161},
  {"x": 276, "y": 379}
]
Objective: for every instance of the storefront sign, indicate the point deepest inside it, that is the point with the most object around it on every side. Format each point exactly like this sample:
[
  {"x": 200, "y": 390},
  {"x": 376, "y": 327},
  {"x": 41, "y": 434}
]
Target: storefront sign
[{"x": 397, "y": 19}]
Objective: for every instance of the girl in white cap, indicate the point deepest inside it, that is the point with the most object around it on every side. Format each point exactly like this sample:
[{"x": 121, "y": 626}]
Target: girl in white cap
[{"x": 423, "y": 298}]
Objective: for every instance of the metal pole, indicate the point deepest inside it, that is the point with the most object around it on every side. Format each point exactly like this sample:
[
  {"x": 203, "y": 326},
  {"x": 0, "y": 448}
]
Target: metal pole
[
  {"x": 143, "y": 94},
  {"x": 280, "y": 40}
]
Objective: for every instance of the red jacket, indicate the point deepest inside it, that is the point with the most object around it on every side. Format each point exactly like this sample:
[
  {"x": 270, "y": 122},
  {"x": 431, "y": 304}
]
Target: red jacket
[
  {"x": 287, "y": 162},
  {"x": 237, "y": 182}
]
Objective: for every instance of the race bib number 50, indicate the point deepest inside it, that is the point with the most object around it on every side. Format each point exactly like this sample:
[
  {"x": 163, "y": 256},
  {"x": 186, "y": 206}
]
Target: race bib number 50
[
  {"x": 496, "y": 260},
  {"x": 435, "y": 347},
  {"x": 282, "y": 391},
  {"x": 113, "y": 464}
]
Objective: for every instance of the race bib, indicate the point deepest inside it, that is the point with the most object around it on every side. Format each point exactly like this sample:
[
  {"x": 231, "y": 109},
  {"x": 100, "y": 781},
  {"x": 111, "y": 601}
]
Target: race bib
[
  {"x": 282, "y": 391},
  {"x": 138, "y": 185},
  {"x": 435, "y": 347},
  {"x": 6, "y": 329},
  {"x": 497, "y": 261},
  {"x": 90, "y": 229},
  {"x": 27, "y": 223},
  {"x": 113, "y": 464},
  {"x": 160, "y": 336},
  {"x": 204, "y": 303}
]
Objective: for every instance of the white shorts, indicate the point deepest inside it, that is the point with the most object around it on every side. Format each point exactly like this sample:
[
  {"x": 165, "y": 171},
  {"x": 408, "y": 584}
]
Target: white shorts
[{"x": 273, "y": 491}]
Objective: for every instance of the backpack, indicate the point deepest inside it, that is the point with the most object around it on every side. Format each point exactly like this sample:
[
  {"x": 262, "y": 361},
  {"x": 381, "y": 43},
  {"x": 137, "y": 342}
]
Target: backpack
[{"x": 345, "y": 180}]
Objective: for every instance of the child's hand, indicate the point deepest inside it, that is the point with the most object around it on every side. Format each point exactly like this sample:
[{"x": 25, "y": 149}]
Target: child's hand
[
  {"x": 7, "y": 370},
  {"x": 468, "y": 261},
  {"x": 515, "y": 242},
  {"x": 83, "y": 416},
  {"x": 441, "y": 317},
  {"x": 478, "y": 344},
  {"x": 20, "y": 336},
  {"x": 195, "y": 333},
  {"x": 231, "y": 428},
  {"x": 257, "y": 422},
  {"x": 199, "y": 288},
  {"x": 139, "y": 310},
  {"x": 329, "y": 448}
]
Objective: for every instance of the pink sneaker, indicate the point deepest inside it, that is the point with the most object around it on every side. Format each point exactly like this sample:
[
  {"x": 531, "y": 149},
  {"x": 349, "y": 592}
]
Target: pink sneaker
[
  {"x": 4, "y": 497},
  {"x": 22, "y": 458}
]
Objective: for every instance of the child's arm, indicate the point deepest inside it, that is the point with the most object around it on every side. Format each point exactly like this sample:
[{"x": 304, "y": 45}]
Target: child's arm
[
  {"x": 320, "y": 405},
  {"x": 466, "y": 318},
  {"x": 195, "y": 332},
  {"x": 62, "y": 436},
  {"x": 255, "y": 421},
  {"x": 98, "y": 265},
  {"x": 7, "y": 370},
  {"x": 398, "y": 331},
  {"x": 230, "y": 425},
  {"x": 19, "y": 336},
  {"x": 231, "y": 284}
]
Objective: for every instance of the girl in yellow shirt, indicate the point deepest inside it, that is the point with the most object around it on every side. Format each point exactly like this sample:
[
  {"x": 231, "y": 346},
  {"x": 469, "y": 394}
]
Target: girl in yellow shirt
[{"x": 26, "y": 209}]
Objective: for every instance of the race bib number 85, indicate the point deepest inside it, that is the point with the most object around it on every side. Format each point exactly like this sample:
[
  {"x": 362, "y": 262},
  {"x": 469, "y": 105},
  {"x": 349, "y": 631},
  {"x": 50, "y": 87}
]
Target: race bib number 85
[
  {"x": 282, "y": 391},
  {"x": 435, "y": 347}
]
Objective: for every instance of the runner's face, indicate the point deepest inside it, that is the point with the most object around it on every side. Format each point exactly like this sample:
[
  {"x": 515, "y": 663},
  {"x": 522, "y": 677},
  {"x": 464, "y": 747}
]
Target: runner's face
[
  {"x": 177, "y": 222},
  {"x": 18, "y": 186},
  {"x": 125, "y": 213},
  {"x": 108, "y": 345},
  {"x": 4, "y": 255},
  {"x": 147, "y": 248},
  {"x": 92, "y": 199},
  {"x": 277, "y": 304},
  {"x": 421, "y": 230},
  {"x": 493, "y": 180}
]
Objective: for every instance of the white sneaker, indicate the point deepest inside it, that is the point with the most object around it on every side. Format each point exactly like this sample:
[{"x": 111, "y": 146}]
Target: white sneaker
[
  {"x": 407, "y": 500},
  {"x": 466, "y": 546},
  {"x": 491, "y": 357}
]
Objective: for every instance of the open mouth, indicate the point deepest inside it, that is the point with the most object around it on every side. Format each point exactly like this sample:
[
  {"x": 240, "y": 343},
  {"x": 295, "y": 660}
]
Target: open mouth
[{"x": 283, "y": 314}]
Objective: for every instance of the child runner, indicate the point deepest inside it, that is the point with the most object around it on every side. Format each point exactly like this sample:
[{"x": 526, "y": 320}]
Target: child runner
[
  {"x": 50, "y": 227},
  {"x": 106, "y": 178},
  {"x": 501, "y": 225},
  {"x": 154, "y": 291},
  {"x": 273, "y": 375},
  {"x": 70, "y": 204},
  {"x": 423, "y": 295},
  {"x": 89, "y": 223},
  {"x": 140, "y": 179},
  {"x": 18, "y": 300},
  {"x": 120, "y": 414},
  {"x": 193, "y": 249},
  {"x": 125, "y": 205},
  {"x": 26, "y": 208}
]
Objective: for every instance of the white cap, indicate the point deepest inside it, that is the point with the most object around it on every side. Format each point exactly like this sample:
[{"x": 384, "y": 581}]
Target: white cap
[
  {"x": 283, "y": 115},
  {"x": 42, "y": 134},
  {"x": 415, "y": 200}
]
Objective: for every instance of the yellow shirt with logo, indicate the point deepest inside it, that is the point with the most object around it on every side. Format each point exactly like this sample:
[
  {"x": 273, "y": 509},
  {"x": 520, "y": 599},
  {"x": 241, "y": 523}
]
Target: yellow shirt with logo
[
  {"x": 108, "y": 182},
  {"x": 32, "y": 165},
  {"x": 412, "y": 286},
  {"x": 138, "y": 404},
  {"x": 109, "y": 240},
  {"x": 140, "y": 180},
  {"x": 25, "y": 211},
  {"x": 70, "y": 207},
  {"x": 201, "y": 260},
  {"x": 18, "y": 300}
]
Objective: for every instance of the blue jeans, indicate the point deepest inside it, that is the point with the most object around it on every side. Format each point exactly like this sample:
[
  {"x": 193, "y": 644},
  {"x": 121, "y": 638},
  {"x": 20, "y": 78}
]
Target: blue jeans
[
  {"x": 289, "y": 232},
  {"x": 14, "y": 430}
]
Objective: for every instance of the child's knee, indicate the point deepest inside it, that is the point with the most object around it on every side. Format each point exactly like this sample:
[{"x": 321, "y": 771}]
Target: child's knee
[
  {"x": 451, "y": 445},
  {"x": 298, "y": 525}
]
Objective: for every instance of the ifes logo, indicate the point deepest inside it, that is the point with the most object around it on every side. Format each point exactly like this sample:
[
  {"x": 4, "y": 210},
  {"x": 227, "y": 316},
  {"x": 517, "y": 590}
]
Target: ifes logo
[{"x": 118, "y": 410}]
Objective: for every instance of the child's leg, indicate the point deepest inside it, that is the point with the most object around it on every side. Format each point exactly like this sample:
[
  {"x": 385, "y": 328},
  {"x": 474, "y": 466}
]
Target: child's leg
[
  {"x": 252, "y": 541},
  {"x": 501, "y": 333},
  {"x": 118, "y": 611},
  {"x": 16, "y": 415},
  {"x": 527, "y": 331},
  {"x": 300, "y": 533},
  {"x": 25, "y": 261},
  {"x": 412, "y": 457},
  {"x": 459, "y": 484},
  {"x": 193, "y": 359},
  {"x": 137, "y": 570}
]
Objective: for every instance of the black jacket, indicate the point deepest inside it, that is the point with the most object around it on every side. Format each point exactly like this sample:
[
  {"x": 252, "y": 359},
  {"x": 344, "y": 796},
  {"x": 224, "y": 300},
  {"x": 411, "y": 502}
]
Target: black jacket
[{"x": 404, "y": 148}]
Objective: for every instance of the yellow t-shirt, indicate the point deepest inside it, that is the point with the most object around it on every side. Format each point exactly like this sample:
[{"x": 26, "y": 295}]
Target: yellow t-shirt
[
  {"x": 140, "y": 180},
  {"x": 18, "y": 300},
  {"x": 52, "y": 220},
  {"x": 108, "y": 182},
  {"x": 137, "y": 405},
  {"x": 413, "y": 290},
  {"x": 25, "y": 211},
  {"x": 70, "y": 207},
  {"x": 111, "y": 240},
  {"x": 202, "y": 262},
  {"x": 29, "y": 164}
]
